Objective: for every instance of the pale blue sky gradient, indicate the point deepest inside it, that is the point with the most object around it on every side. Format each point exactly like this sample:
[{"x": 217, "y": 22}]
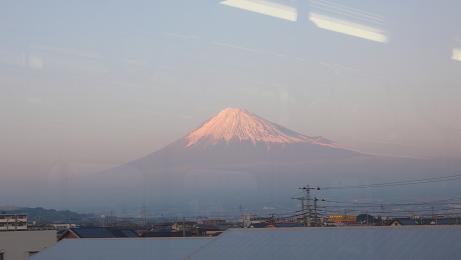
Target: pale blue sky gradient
[{"x": 99, "y": 83}]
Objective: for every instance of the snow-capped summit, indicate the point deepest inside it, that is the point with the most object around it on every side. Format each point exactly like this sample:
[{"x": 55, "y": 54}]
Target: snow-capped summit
[
  {"x": 231, "y": 157},
  {"x": 239, "y": 125}
]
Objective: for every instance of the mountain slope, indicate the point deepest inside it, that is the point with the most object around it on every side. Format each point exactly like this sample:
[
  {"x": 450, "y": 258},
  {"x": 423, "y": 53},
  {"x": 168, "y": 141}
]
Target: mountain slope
[
  {"x": 236, "y": 136},
  {"x": 239, "y": 125}
]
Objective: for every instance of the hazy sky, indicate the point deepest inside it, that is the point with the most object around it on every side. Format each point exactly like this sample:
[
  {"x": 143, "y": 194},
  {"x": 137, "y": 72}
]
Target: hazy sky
[{"x": 99, "y": 83}]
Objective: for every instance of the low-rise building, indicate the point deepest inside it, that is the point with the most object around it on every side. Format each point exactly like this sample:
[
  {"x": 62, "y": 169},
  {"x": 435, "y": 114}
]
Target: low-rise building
[
  {"x": 252, "y": 221},
  {"x": 97, "y": 232},
  {"x": 9, "y": 222},
  {"x": 63, "y": 226},
  {"x": 404, "y": 222},
  {"x": 162, "y": 227},
  {"x": 214, "y": 222},
  {"x": 425, "y": 221},
  {"x": 208, "y": 230},
  {"x": 184, "y": 226},
  {"x": 167, "y": 234},
  {"x": 342, "y": 219}
]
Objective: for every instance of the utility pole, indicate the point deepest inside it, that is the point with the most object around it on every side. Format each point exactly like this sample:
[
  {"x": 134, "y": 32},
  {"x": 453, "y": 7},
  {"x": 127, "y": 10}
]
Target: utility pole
[
  {"x": 316, "y": 219},
  {"x": 143, "y": 215},
  {"x": 432, "y": 211},
  {"x": 433, "y": 215},
  {"x": 184, "y": 227},
  {"x": 306, "y": 205}
]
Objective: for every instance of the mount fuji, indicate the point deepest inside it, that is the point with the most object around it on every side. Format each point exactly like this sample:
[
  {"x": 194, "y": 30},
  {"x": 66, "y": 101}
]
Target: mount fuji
[
  {"x": 236, "y": 158},
  {"x": 236, "y": 136}
]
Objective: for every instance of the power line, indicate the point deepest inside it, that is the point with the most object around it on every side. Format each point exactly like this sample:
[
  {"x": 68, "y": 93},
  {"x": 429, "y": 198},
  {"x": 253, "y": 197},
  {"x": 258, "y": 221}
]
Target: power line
[
  {"x": 311, "y": 213},
  {"x": 453, "y": 201},
  {"x": 456, "y": 177}
]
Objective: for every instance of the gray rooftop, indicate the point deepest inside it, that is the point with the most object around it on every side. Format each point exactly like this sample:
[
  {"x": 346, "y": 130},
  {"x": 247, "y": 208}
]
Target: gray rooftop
[
  {"x": 376, "y": 243},
  {"x": 103, "y": 232},
  {"x": 121, "y": 248}
]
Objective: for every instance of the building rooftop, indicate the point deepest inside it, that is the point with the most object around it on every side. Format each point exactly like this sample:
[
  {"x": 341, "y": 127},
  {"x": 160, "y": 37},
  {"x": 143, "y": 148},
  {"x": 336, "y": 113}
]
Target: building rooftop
[
  {"x": 102, "y": 232},
  {"x": 122, "y": 248},
  {"x": 377, "y": 243}
]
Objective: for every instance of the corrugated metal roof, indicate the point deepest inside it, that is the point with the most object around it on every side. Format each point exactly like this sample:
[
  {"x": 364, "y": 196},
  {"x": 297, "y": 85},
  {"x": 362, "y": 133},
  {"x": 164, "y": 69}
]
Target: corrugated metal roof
[
  {"x": 376, "y": 243},
  {"x": 122, "y": 248}
]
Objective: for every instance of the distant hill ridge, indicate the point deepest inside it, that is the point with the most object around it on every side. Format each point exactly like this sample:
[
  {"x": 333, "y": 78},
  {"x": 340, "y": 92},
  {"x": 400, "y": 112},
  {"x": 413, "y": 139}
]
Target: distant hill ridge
[{"x": 45, "y": 216}]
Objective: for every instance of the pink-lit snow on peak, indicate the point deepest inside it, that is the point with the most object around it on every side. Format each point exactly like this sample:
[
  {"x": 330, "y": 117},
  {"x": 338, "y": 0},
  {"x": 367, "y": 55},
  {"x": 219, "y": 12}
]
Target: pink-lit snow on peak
[{"x": 236, "y": 124}]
